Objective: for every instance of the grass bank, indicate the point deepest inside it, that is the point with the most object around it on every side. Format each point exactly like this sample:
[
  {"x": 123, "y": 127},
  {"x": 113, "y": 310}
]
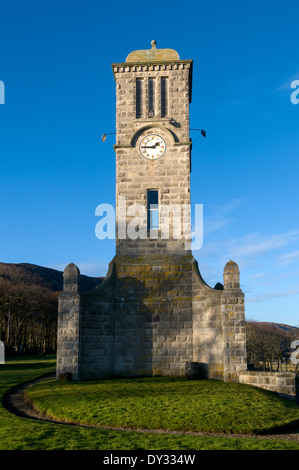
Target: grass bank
[
  {"x": 23, "y": 434},
  {"x": 174, "y": 404}
]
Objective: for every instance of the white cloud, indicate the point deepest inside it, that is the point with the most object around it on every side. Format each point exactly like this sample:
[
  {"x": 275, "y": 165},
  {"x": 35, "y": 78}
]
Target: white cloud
[
  {"x": 220, "y": 218},
  {"x": 288, "y": 258},
  {"x": 287, "y": 84},
  {"x": 256, "y": 244},
  {"x": 249, "y": 250},
  {"x": 258, "y": 275},
  {"x": 272, "y": 295}
]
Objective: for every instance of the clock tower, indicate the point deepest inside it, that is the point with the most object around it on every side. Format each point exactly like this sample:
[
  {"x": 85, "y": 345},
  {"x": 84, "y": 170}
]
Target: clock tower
[
  {"x": 153, "y": 314},
  {"x": 153, "y": 149}
]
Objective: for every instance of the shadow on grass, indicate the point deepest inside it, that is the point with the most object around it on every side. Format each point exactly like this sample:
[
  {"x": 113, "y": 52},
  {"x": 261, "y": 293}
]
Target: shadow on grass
[{"x": 28, "y": 362}]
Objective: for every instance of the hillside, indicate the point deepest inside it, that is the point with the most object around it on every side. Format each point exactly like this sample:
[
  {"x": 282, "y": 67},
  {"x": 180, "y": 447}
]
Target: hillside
[
  {"x": 276, "y": 328},
  {"x": 28, "y": 306},
  {"x": 269, "y": 345},
  {"x": 46, "y": 278}
]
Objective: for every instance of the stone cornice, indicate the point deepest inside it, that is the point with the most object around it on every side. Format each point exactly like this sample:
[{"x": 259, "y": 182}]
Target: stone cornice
[
  {"x": 151, "y": 66},
  {"x": 155, "y": 66}
]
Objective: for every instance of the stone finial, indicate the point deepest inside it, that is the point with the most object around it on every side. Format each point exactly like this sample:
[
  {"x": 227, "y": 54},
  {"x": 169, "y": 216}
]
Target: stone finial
[
  {"x": 231, "y": 276},
  {"x": 71, "y": 278},
  {"x": 153, "y": 55}
]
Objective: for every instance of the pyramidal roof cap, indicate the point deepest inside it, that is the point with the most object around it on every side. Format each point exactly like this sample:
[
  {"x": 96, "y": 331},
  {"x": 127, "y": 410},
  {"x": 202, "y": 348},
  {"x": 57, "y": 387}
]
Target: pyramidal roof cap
[{"x": 153, "y": 54}]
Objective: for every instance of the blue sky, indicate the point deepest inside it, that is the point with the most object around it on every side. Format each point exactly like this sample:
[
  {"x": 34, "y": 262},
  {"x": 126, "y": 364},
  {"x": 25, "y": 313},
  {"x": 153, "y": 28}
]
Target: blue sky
[{"x": 60, "y": 97}]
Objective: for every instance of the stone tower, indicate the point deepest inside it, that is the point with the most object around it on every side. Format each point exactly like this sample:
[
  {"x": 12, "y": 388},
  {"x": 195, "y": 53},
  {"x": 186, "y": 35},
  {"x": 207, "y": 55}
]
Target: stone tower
[
  {"x": 153, "y": 92},
  {"x": 153, "y": 313}
]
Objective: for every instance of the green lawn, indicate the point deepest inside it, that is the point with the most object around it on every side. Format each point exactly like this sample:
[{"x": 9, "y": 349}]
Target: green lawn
[
  {"x": 21, "y": 433},
  {"x": 175, "y": 404}
]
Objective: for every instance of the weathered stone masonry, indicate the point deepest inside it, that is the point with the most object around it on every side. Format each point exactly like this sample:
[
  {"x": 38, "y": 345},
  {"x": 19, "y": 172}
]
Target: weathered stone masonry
[
  {"x": 149, "y": 317},
  {"x": 153, "y": 312},
  {"x": 283, "y": 383}
]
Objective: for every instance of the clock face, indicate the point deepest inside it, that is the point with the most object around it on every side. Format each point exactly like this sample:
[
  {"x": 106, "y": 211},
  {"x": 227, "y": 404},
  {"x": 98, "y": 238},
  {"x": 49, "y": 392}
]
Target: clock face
[{"x": 152, "y": 146}]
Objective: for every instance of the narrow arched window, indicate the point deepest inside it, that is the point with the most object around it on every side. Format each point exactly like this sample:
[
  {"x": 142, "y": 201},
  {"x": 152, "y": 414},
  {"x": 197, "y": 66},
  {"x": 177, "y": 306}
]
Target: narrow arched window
[
  {"x": 151, "y": 97},
  {"x": 139, "y": 97},
  {"x": 153, "y": 221},
  {"x": 164, "y": 96}
]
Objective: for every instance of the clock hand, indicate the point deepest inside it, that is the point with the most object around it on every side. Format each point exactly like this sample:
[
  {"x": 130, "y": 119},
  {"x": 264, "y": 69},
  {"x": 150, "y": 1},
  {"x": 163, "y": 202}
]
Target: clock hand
[{"x": 150, "y": 146}]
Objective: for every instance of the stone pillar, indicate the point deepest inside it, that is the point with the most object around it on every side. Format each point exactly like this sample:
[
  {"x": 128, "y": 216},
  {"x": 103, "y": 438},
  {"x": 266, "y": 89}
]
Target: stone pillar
[
  {"x": 2, "y": 353},
  {"x": 233, "y": 324},
  {"x": 69, "y": 320}
]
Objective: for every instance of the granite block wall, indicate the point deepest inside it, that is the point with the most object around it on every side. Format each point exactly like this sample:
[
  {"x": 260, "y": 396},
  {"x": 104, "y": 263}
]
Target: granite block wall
[
  {"x": 150, "y": 316},
  {"x": 282, "y": 383}
]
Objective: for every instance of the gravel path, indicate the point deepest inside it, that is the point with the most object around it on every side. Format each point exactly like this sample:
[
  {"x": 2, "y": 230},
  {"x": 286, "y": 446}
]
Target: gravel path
[{"x": 16, "y": 402}]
